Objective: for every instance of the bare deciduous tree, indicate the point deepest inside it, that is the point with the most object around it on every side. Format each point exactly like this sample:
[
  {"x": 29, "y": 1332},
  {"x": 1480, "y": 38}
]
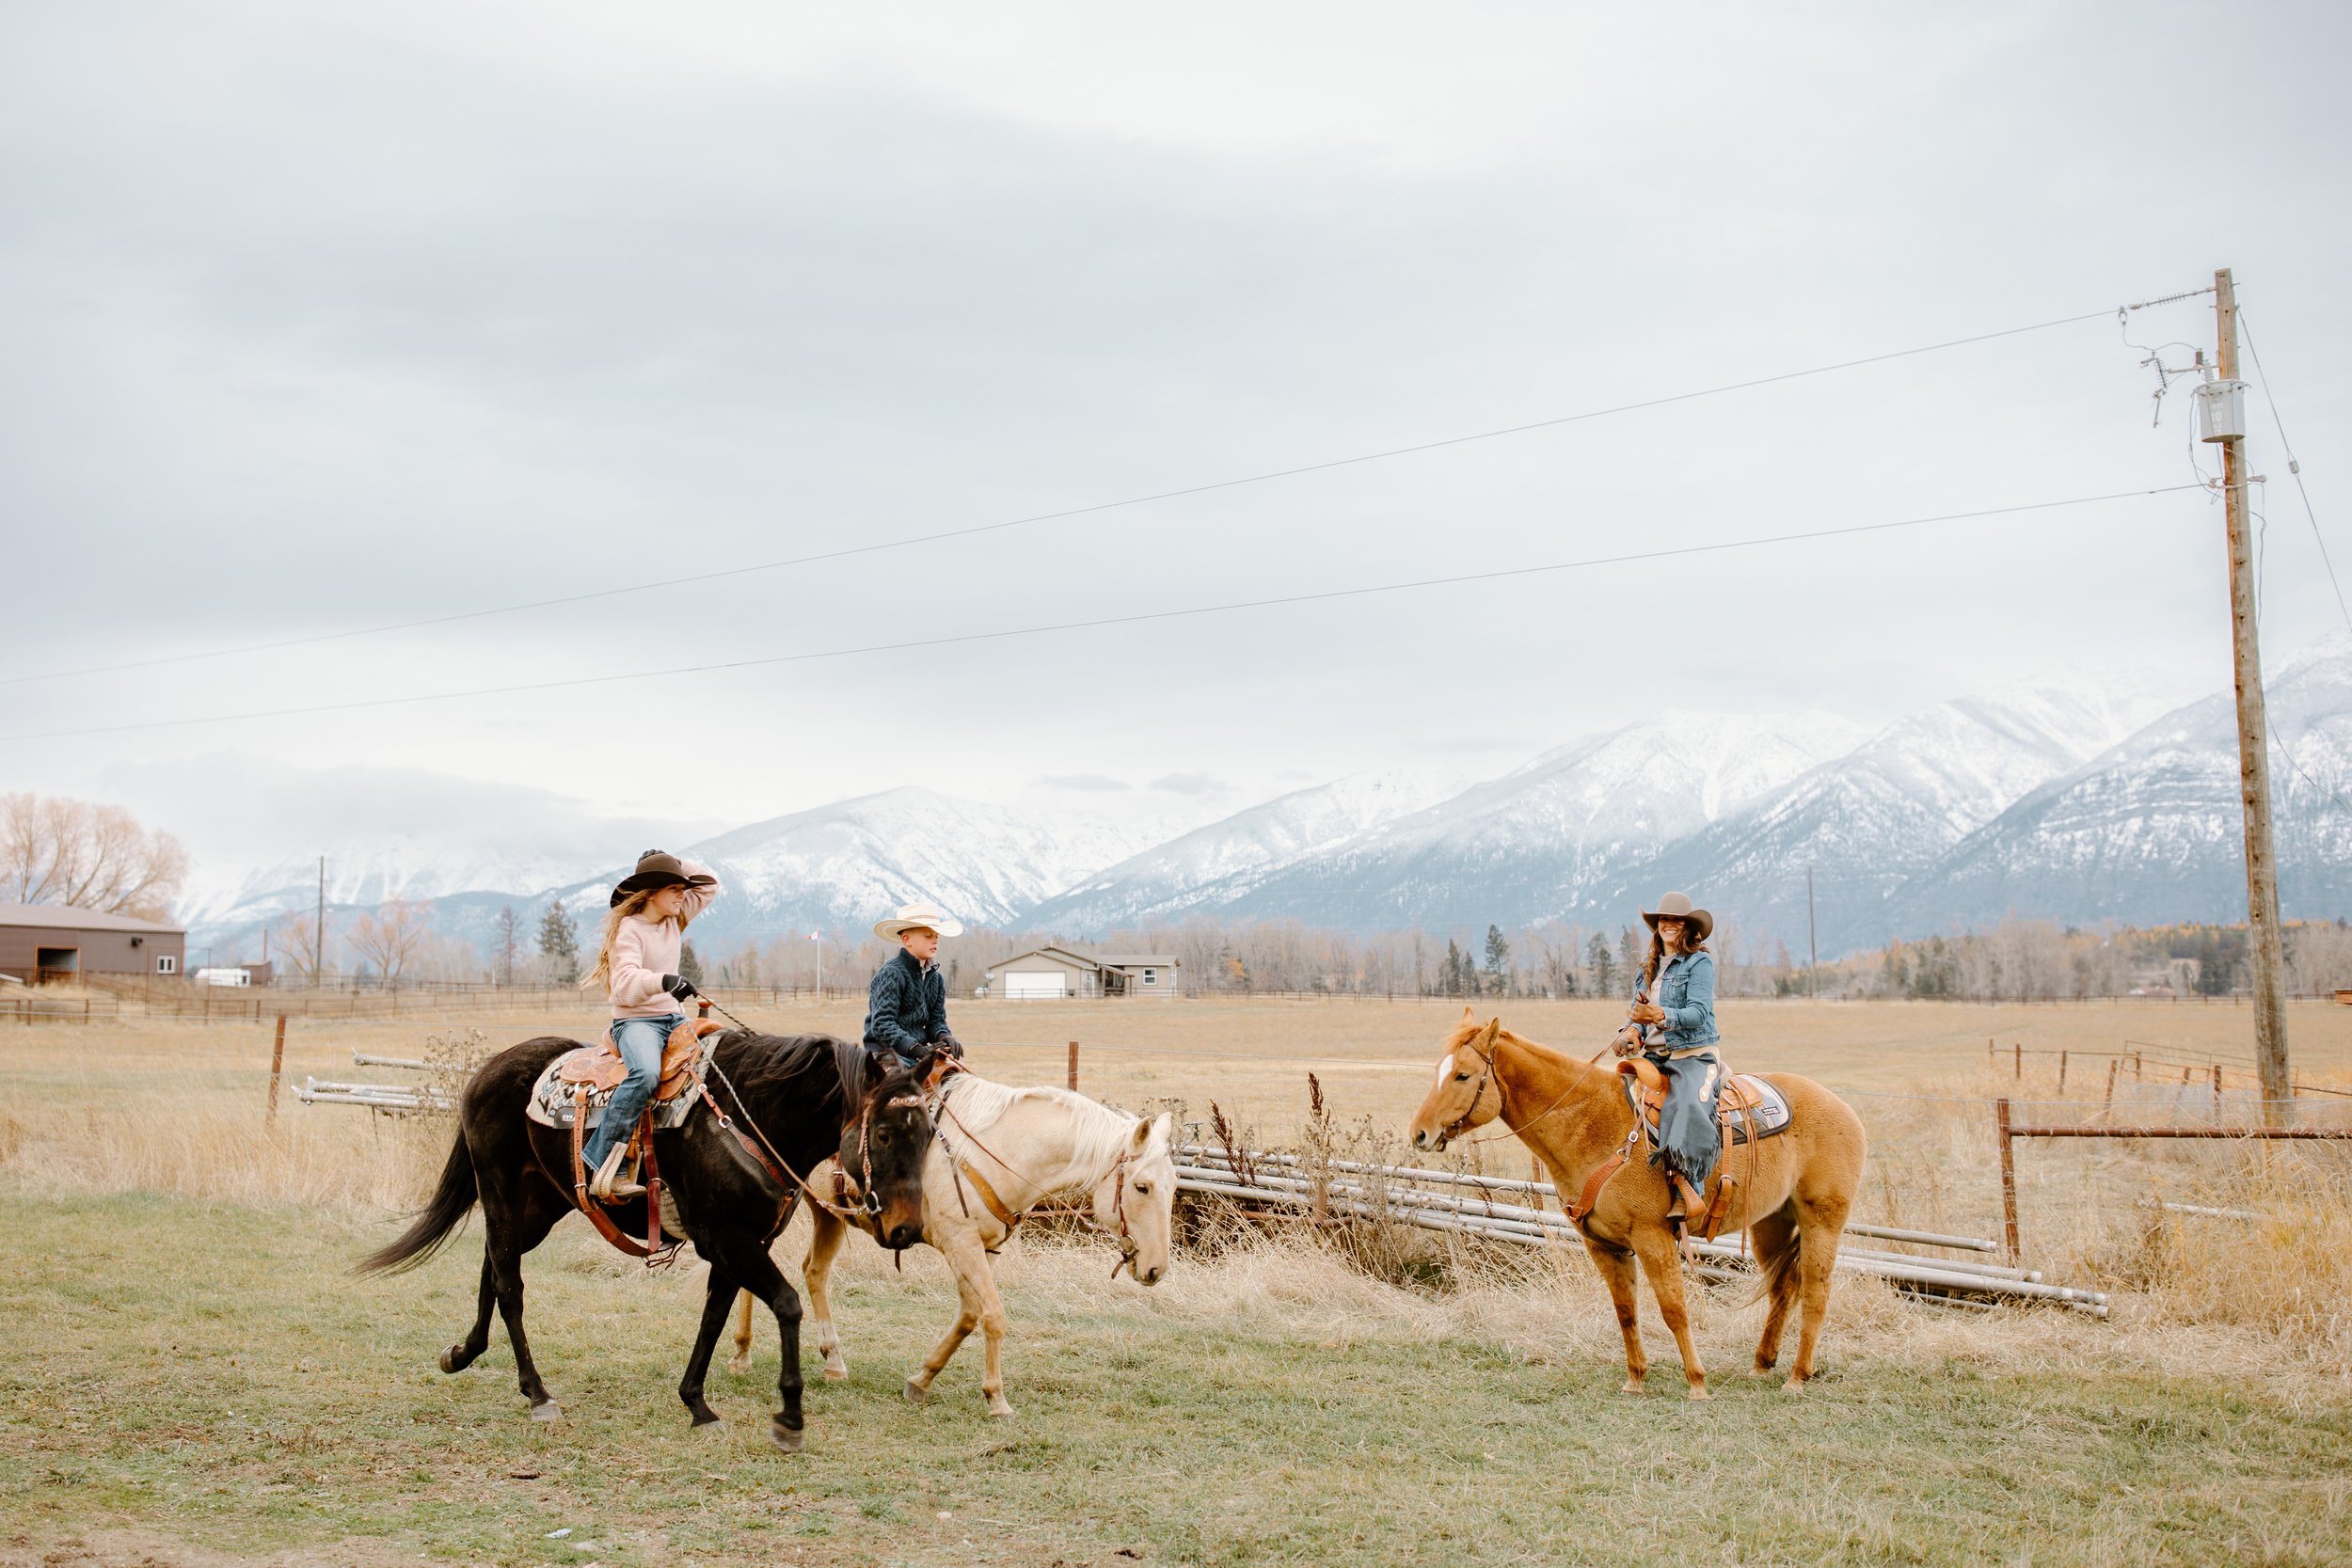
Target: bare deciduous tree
[
  {"x": 299, "y": 945},
  {"x": 56, "y": 851},
  {"x": 390, "y": 937}
]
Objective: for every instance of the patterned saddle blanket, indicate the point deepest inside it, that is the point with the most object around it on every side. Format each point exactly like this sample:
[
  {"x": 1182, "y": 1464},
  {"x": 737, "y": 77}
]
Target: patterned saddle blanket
[
  {"x": 598, "y": 1068},
  {"x": 1747, "y": 1106}
]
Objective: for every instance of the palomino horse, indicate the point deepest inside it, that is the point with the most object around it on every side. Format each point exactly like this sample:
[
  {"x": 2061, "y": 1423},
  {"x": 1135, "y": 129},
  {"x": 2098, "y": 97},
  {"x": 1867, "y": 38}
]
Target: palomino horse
[
  {"x": 1573, "y": 1116},
  {"x": 803, "y": 1097},
  {"x": 999, "y": 1150}
]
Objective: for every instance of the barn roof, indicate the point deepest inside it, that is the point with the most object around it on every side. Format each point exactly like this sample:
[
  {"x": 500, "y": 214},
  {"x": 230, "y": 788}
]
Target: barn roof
[{"x": 61, "y": 917}]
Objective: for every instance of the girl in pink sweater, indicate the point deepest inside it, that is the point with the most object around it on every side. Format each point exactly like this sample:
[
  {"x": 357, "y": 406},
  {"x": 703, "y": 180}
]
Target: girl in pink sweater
[{"x": 638, "y": 960}]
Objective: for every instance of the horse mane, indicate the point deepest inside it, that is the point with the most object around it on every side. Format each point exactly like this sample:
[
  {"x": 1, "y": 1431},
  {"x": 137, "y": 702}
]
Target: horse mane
[
  {"x": 1099, "y": 1133},
  {"x": 769, "y": 1071}
]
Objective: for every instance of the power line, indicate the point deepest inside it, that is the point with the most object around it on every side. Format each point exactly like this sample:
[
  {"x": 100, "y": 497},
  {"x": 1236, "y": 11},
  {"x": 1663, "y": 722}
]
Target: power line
[
  {"x": 2295, "y": 466},
  {"x": 978, "y": 528},
  {"x": 1007, "y": 633}
]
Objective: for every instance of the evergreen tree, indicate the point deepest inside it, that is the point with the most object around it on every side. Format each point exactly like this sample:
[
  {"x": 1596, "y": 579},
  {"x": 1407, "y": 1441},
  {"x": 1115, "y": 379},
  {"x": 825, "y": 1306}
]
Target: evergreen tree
[
  {"x": 1451, "y": 976},
  {"x": 689, "y": 963},
  {"x": 1603, "y": 967},
  {"x": 559, "y": 944},
  {"x": 1497, "y": 960},
  {"x": 510, "y": 944}
]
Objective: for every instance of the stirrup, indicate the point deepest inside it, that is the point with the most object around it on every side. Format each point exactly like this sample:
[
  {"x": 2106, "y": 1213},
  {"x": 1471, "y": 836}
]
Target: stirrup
[{"x": 608, "y": 1185}]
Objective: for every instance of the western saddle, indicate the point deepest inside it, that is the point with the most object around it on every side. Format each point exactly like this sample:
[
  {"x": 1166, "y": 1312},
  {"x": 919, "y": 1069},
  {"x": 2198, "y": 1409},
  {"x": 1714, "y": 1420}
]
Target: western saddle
[
  {"x": 594, "y": 1071},
  {"x": 1748, "y": 1110}
]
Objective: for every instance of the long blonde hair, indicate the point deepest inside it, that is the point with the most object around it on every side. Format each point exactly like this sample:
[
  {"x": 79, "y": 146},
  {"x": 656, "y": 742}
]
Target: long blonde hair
[{"x": 600, "y": 977}]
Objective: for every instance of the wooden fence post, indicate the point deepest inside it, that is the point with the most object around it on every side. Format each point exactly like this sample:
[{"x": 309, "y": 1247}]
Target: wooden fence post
[
  {"x": 2008, "y": 1180},
  {"x": 2020, "y": 1073},
  {"x": 1073, "y": 1064},
  {"x": 2061, "y": 1074},
  {"x": 277, "y": 1066},
  {"x": 2114, "y": 1068}
]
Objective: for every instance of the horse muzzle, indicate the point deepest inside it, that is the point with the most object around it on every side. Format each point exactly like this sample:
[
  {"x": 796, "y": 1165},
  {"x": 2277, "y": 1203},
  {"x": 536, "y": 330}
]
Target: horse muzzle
[{"x": 901, "y": 1236}]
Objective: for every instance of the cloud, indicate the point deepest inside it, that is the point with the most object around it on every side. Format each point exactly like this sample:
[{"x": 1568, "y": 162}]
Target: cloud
[
  {"x": 1093, "y": 783},
  {"x": 1190, "y": 784}
]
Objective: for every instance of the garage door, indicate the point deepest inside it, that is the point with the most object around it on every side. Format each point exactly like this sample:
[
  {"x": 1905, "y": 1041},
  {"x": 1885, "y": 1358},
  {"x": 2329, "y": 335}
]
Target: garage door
[{"x": 1036, "y": 986}]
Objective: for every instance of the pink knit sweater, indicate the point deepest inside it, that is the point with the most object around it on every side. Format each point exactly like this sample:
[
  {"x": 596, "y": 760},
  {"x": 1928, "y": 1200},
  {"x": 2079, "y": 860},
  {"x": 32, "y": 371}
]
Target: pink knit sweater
[{"x": 644, "y": 950}]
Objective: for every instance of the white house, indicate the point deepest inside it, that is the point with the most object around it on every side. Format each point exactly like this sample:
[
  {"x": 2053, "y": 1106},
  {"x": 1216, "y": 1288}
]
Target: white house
[{"x": 1045, "y": 973}]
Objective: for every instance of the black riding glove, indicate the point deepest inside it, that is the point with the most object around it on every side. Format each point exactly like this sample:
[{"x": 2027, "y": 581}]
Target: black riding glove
[
  {"x": 947, "y": 1045},
  {"x": 678, "y": 985}
]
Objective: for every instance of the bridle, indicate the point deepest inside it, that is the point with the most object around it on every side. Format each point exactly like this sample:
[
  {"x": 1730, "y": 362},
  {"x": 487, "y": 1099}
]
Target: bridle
[{"x": 1454, "y": 1129}]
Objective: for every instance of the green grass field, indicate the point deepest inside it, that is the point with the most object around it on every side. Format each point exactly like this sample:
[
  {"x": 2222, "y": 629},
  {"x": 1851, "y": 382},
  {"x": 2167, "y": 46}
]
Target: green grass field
[
  {"x": 192, "y": 1374},
  {"x": 193, "y": 1377}
]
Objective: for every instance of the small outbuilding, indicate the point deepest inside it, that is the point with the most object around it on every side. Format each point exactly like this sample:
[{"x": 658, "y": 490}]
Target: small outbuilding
[
  {"x": 1053, "y": 970},
  {"x": 49, "y": 942}
]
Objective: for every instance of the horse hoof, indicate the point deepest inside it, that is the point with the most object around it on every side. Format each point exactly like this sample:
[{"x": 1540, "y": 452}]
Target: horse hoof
[
  {"x": 786, "y": 1439},
  {"x": 1698, "y": 1391},
  {"x": 837, "y": 1372},
  {"x": 450, "y": 1361},
  {"x": 738, "y": 1364},
  {"x": 1632, "y": 1385},
  {"x": 711, "y": 1428},
  {"x": 916, "y": 1393},
  {"x": 546, "y": 1411},
  {"x": 999, "y": 1411},
  {"x": 1794, "y": 1386}
]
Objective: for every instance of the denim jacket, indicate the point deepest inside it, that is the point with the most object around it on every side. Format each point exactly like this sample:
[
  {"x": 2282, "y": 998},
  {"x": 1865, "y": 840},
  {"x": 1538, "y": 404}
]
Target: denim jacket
[{"x": 1686, "y": 990}]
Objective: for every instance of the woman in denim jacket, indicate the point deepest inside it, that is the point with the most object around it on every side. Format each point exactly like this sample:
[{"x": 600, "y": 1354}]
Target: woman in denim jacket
[{"x": 1673, "y": 1023}]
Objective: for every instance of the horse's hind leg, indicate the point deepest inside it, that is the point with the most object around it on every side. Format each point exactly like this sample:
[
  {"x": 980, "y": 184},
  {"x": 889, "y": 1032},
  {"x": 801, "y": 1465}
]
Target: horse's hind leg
[
  {"x": 1775, "y": 1238},
  {"x": 1821, "y": 1223},
  {"x": 515, "y": 1227},
  {"x": 719, "y": 1293},
  {"x": 1616, "y": 1270},
  {"x": 466, "y": 1350},
  {"x": 824, "y": 1248},
  {"x": 1655, "y": 1244}
]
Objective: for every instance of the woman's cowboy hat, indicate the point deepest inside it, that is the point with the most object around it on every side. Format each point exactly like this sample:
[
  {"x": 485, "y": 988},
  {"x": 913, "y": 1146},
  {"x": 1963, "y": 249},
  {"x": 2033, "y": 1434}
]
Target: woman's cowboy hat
[
  {"x": 654, "y": 868},
  {"x": 930, "y": 916},
  {"x": 1697, "y": 924}
]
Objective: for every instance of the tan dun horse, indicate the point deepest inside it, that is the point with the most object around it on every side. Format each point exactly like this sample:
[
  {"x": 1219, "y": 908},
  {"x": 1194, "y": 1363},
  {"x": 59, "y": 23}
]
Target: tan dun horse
[
  {"x": 997, "y": 1152},
  {"x": 1792, "y": 1200}
]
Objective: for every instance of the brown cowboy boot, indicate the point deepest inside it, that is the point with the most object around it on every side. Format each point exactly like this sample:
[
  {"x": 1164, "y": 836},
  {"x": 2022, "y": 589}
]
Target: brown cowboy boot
[{"x": 609, "y": 1185}]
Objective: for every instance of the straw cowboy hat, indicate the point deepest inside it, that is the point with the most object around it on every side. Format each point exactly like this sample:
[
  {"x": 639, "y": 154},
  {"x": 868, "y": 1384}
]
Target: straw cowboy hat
[
  {"x": 1697, "y": 924},
  {"x": 910, "y": 916},
  {"x": 654, "y": 868}
]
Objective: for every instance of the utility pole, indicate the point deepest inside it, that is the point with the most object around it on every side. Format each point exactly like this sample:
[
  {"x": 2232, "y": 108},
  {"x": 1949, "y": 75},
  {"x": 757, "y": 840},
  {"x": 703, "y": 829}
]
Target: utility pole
[
  {"x": 2223, "y": 403},
  {"x": 1812, "y": 941},
  {"x": 318, "y": 933}
]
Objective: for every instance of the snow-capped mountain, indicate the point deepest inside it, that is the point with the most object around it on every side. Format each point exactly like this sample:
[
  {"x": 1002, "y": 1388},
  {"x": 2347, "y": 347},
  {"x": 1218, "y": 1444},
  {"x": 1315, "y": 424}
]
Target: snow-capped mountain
[
  {"x": 850, "y": 861},
  {"x": 1218, "y": 864},
  {"x": 2151, "y": 828},
  {"x": 1535, "y": 842},
  {"x": 2041, "y": 801},
  {"x": 1866, "y": 823}
]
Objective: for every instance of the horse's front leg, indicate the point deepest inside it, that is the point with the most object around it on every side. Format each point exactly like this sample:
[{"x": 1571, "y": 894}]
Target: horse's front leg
[
  {"x": 1616, "y": 1270},
  {"x": 745, "y": 1256},
  {"x": 824, "y": 1248},
  {"x": 949, "y": 1237},
  {"x": 1662, "y": 1263}
]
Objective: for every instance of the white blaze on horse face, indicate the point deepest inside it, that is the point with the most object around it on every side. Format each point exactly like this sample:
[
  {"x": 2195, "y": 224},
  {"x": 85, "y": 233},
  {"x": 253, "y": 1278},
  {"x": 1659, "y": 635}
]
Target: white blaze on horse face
[{"x": 1445, "y": 1067}]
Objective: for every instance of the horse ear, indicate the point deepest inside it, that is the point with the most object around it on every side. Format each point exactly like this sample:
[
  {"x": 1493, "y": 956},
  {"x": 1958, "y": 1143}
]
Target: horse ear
[
  {"x": 1140, "y": 1139},
  {"x": 1470, "y": 1014},
  {"x": 1486, "y": 1037}
]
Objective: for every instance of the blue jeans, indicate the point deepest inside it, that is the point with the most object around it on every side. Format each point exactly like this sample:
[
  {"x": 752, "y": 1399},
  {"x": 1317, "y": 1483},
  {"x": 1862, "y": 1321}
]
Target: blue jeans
[{"x": 640, "y": 1040}]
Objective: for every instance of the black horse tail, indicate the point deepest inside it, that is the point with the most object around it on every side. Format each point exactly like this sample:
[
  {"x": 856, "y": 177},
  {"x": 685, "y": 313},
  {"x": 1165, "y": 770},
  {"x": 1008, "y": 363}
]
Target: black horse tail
[{"x": 453, "y": 1200}]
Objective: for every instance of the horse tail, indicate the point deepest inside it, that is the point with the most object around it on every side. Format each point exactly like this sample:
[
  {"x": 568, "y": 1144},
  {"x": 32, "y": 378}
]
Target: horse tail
[
  {"x": 453, "y": 1200},
  {"x": 1776, "y": 1250}
]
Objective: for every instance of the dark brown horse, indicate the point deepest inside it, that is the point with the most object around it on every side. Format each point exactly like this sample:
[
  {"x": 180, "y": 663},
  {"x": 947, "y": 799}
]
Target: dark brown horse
[{"x": 803, "y": 1097}]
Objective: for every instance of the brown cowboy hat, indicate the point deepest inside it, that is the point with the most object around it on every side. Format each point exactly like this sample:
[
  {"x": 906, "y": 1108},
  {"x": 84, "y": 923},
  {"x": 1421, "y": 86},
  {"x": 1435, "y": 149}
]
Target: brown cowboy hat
[
  {"x": 654, "y": 868},
  {"x": 1677, "y": 905}
]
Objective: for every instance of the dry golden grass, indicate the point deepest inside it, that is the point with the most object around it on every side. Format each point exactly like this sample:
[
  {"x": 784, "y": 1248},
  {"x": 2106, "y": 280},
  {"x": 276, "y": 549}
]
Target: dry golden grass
[{"x": 178, "y": 1108}]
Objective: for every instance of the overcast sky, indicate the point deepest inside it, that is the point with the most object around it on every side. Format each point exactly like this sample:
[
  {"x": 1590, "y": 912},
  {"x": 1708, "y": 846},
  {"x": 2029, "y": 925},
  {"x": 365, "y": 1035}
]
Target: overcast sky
[{"x": 319, "y": 316}]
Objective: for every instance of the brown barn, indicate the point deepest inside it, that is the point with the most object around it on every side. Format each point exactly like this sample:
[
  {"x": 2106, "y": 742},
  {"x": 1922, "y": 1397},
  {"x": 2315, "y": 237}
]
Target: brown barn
[{"x": 46, "y": 942}]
